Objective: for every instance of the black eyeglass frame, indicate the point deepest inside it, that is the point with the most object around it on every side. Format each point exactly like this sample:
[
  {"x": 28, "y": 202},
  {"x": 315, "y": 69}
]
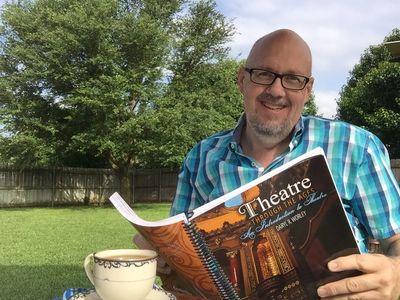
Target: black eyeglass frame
[{"x": 277, "y": 75}]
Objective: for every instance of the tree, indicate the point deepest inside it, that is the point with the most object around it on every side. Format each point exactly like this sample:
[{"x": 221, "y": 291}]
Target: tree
[
  {"x": 82, "y": 79},
  {"x": 201, "y": 96},
  {"x": 371, "y": 97},
  {"x": 206, "y": 101},
  {"x": 311, "y": 108}
]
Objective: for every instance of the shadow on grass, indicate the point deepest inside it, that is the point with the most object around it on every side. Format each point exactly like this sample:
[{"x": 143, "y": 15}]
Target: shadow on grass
[{"x": 39, "y": 282}]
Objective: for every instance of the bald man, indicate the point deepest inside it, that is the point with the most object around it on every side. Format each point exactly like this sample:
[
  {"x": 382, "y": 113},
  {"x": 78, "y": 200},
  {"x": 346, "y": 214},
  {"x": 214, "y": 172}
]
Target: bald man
[{"x": 276, "y": 82}]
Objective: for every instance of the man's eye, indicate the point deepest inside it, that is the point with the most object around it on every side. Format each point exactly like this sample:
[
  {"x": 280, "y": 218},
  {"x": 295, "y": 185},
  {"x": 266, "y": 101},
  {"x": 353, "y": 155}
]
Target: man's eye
[
  {"x": 293, "y": 79},
  {"x": 265, "y": 75}
]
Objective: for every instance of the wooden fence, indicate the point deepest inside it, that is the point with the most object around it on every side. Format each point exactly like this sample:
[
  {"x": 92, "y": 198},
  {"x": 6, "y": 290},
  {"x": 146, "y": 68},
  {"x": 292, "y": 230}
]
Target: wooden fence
[
  {"x": 395, "y": 164},
  {"x": 74, "y": 186},
  {"x": 78, "y": 186}
]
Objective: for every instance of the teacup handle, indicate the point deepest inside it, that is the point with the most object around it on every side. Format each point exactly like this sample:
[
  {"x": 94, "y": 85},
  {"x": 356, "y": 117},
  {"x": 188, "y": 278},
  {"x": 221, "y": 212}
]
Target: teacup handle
[{"x": 88, "y": 264}]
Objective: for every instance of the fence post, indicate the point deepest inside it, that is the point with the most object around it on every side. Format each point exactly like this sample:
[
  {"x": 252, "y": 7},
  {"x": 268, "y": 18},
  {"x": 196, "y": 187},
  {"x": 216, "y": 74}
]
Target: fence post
[
  {"x": 133, "y": 185},
  {"x": 53, "y": 186},
  {"x": 159, "y": 184}
]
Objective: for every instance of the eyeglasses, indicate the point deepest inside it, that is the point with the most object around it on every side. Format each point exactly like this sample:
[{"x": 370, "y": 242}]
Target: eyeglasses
[{"x": 288, "y": 81}]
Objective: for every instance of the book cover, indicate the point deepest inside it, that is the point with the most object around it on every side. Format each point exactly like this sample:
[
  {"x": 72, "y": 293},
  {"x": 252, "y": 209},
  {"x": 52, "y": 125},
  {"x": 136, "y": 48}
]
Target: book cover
[{"x": 268, "y": 239}]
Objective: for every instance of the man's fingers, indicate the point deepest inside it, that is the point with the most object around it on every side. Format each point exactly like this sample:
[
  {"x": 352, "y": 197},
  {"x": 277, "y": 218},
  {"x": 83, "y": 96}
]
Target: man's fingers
[
  {"x": 164, "y": 269},
  {"x": 356, "y": 284},
  {"x": 371, "y": 295},
  {"x": 366, "y": 263},
  {"x": 377, "y": 281},
  {"x": 141, "y": 242}
]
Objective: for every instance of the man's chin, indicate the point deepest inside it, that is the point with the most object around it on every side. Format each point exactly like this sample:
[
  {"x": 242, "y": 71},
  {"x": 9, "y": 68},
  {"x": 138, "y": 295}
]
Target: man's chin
[
  {"x": 271, "y": 131},
  {"x": 271, "y": 128},
  {"x": 272, "y": 134}
]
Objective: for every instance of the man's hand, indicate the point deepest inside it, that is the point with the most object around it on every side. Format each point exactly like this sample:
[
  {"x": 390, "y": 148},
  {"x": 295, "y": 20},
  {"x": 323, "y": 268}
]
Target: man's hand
[
  {"x": 380, "y": 278},
  {"x": 162, "y": 266}
]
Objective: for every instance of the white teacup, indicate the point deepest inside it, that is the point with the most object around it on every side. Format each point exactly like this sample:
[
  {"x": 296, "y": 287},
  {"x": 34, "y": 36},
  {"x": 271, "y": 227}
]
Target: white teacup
[{"x": 123, "y": 274}]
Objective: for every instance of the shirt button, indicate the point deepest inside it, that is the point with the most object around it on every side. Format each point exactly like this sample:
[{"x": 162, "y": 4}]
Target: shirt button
[
  {"x": 253, "y": 164},
  {"x": 232, "y": 146}
]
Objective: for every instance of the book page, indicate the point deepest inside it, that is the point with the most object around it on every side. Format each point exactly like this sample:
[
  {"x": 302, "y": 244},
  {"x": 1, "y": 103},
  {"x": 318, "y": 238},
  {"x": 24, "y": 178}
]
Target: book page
[{"x": 127, "y": 212}]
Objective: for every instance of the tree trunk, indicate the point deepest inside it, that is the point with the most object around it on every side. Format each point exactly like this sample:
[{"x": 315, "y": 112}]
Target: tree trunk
[{"x": 126, "y": 188}]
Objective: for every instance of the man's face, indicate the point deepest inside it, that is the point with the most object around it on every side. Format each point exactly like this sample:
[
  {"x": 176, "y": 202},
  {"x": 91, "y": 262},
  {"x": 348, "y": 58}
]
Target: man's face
[{"x": 272, "y": 111}]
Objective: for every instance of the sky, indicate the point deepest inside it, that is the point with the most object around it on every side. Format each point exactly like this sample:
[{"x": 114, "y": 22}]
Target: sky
[{"x": 338, "y": 32}]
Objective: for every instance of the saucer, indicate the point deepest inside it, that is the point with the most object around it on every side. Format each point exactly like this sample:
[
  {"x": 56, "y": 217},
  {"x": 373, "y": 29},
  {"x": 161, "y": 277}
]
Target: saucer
[{"x": 156, "y": 293}]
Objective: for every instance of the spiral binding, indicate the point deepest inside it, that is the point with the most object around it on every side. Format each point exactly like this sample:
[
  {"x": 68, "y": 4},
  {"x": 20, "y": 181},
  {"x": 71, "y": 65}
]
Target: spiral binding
[{"x": 224, "y": 286}]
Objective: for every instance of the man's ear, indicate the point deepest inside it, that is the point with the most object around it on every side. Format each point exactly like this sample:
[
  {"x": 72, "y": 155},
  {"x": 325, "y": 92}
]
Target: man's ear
[
  {"x": 240, "y": 79},
  {"x": 309, "y": 87}
]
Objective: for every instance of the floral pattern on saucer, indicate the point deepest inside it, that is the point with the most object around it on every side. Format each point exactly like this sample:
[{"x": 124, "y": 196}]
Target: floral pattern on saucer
[
  {"x": 157, "y": 293},
  {"x": 87, "y": 295}
]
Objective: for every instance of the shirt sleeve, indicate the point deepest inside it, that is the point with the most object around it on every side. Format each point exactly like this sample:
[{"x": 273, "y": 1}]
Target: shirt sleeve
[
  {"x": 186, "y": 196},
  {"x": 183, "y": 193},
  {"x": 377, "y": 198}
]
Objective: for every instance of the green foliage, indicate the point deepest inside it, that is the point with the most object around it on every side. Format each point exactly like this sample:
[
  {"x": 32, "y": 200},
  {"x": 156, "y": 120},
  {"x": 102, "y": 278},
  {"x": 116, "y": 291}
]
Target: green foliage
[
  {"x": 205, "y": 101},
  {"x": 311, "y": 108},
  {"x": 371, "y": 98},
  {"x": 83, "y": 82},
  {"x": 66, "y": 66},
  {"x": 200, "y": 96},
  {"x": 200, "y": 39}
]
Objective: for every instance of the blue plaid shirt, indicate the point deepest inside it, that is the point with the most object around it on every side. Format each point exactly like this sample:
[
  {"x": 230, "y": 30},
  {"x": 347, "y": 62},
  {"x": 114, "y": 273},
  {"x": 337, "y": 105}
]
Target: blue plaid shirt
[{"x": 358, "y": 160}]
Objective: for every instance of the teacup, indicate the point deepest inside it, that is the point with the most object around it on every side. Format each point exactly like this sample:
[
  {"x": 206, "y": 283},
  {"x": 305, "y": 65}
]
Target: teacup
[{"x": 122, "y": 274}]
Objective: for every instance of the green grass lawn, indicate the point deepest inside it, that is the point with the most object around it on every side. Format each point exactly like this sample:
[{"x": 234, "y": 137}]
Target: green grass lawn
[{"x": 43, "y": 249}]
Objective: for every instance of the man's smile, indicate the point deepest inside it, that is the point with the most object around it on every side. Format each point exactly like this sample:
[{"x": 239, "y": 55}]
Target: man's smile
[{"x": 273, "y": 106}]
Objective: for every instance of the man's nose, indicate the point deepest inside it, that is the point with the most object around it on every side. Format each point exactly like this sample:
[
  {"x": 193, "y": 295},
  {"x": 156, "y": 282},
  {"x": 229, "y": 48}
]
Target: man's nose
[{"x": 276, "y": 89}]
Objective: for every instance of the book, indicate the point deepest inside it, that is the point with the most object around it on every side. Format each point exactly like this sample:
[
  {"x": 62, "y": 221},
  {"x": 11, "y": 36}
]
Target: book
[{"x": 268, "y": 239}]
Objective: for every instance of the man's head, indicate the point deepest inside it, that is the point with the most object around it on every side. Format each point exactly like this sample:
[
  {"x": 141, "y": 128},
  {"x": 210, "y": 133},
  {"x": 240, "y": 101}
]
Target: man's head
[{"x": 271, "y": 109}]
